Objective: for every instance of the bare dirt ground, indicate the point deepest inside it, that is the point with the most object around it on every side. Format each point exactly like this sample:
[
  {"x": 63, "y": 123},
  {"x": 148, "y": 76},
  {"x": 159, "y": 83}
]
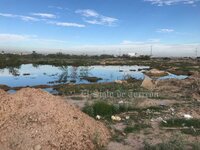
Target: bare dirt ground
[
  {"x": 177, "y": 98},
  {"x": 35, "y": 120}
]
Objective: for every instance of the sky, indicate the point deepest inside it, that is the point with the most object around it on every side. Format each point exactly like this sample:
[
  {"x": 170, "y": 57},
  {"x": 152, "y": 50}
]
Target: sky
[{"x": 171, "y": 27}]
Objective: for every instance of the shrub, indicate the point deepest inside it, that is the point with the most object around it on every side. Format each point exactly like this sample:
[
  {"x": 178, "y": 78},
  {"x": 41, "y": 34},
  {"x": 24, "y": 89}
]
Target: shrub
[
  {"x": 99, "y": 108},
  {"x": 104, "y": 109}
]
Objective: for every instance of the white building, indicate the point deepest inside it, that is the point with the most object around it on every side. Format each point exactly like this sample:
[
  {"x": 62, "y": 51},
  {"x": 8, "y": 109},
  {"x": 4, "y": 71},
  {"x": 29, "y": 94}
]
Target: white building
[{"x": 132, "y": 54}]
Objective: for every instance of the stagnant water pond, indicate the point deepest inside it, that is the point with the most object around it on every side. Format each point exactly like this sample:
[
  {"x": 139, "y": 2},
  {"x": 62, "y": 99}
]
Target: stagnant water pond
[{"x": 31, "y": 75}]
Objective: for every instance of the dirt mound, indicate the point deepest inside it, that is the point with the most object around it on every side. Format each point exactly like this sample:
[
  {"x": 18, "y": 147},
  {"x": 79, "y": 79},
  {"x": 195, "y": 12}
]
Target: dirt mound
[
  {"x": 148, "y": 83},
  {"x": 2, "y": 92},
  {"x": 35, "y": 120},
  {"x": 156, "y": 73}
]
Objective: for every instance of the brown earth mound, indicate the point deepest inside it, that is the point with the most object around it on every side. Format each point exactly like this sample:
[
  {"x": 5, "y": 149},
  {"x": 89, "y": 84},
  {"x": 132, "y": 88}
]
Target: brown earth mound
[
  {"x": 2, "y": 92},
  {"x": 35, "y": 120}
]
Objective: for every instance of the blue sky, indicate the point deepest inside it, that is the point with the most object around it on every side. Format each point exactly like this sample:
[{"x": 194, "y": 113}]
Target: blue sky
[{"x": 170, "y": 26}]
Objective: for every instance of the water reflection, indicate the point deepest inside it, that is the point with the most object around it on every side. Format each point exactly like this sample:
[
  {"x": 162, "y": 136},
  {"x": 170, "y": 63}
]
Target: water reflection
[
  {"x": 84, "y": 71},
  {"x": 64, "y": 75},
  {"x": 14, "y": 71},
  {"x": 35, "y": 65},
  {"x": 47, "y": 74},
  {"x": 74, "y": 74}
]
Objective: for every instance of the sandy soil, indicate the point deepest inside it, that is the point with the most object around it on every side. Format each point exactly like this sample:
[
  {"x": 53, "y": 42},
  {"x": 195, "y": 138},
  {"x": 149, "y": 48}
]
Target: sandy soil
[{"x": 35, "y": 120}]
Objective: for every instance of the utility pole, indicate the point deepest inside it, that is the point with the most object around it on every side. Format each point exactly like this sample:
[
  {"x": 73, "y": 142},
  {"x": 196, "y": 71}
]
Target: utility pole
[
  {"x": 196, "y": 53},
  {"x": 151, "y": 53}
]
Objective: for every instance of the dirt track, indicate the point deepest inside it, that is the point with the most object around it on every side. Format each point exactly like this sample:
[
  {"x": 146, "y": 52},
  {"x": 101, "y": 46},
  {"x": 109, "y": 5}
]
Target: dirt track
[{"x": 35, "y": 120}]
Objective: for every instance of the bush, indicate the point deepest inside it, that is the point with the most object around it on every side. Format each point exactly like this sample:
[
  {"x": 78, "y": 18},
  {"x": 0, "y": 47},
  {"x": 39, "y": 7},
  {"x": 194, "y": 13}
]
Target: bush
[
  {"x": 99, "y": 108},
  {"x": 104, "y": 109}
]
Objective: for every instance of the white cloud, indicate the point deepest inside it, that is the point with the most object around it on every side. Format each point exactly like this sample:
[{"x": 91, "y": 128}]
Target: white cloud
[
  {"x": 68, "y": 24},
  {"x": 57, "y": 7},
  {"x": 87, "y": 13},
  {"x": 108, "y": 20},
  {"x": 149, "y": 41},
  {"x": 24, "y": 18},
  {"x": 102, "y": 21},
  {"x": 154, "y": 40},
  {"x": 94, "y": 17},
  {"x": 128, "y": 42},
  {"x": 48, "y": 40},
  {"x": 44, "y": 15},
  {"x": 12, "y": 37},
  {"x": 7, "y": 15},
  {"x": 165, "y": 30},
  {"x": 7, "y": 37},
  {"x": 171, "y": 2},
  {"x": 28, "y": 18}
]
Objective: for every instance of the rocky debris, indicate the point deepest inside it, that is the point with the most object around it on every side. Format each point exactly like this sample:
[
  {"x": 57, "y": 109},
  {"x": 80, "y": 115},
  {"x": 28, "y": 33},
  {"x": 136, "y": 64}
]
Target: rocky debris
[
  {"x": 127, "y": 117},
  {"x": 120, "y": 81},
  {"x": 98, "y": 117},
  {"x": 148, "y": 83},
  {"x": 37, "y": 147},
  {"x": 156, "y": 73},
  {"x": 116, "y": 118},
  {"x": 34, "y": 119},
  {"x": 187, "y": 116}
]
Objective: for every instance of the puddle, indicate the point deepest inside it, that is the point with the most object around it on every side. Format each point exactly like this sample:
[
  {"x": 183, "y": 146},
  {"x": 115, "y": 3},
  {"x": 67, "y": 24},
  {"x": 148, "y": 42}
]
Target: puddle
[
  {"x": 51, "y": 75},
  {"x": 173, "y": 76},
  {"x": 30, "y": 75},
  {"x": 51, "y": 90}
]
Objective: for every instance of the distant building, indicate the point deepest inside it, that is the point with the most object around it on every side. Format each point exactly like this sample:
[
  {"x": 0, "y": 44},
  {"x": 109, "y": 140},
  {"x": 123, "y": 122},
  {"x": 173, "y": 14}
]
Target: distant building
[{"x": 132, "y": 54}]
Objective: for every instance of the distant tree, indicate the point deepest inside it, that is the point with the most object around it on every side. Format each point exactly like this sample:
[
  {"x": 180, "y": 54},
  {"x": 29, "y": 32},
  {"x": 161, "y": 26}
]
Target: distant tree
[{"x": 34, "y": 54}]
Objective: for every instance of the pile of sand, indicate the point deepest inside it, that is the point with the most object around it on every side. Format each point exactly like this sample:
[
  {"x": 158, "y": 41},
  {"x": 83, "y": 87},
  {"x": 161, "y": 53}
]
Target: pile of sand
[{"x": 35, "y": 120}]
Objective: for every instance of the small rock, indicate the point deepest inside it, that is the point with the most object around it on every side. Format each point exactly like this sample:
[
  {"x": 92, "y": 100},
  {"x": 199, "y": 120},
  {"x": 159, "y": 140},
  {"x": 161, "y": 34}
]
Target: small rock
[
  {"x": 127, "y": 117},
  {"x": 98, "y": 117},
  {"x": 148, "y": 83},
  {"x": 116, "y": 118},
  {"x": 120, "y": 102},
  {"x": 37, "y": 147},
  {"x": 187, "y": 116},
  {"x": 119, "y": 81}
]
